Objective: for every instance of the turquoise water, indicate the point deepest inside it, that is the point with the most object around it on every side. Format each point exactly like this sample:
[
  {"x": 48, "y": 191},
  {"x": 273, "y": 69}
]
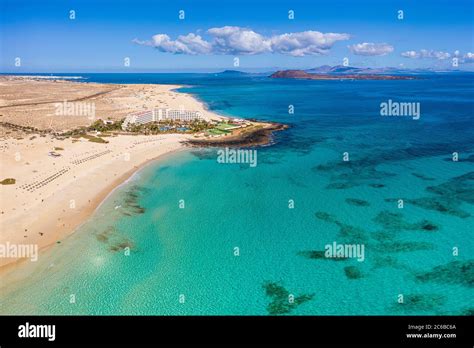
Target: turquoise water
[{"x": 190, "y": 251}]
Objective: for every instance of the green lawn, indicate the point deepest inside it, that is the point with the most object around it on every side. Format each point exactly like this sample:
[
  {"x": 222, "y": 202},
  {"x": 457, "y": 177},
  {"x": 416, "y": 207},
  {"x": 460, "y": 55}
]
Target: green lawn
[
  {"x": 221, "y": 128},
  {"x": 216, "y": 131},
  {"x": 224, "y": 126}
]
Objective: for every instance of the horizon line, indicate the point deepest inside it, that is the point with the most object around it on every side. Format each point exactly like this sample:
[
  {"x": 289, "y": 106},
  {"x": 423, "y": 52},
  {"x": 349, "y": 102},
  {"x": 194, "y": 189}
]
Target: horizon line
[{"x": 216, "y": 70}]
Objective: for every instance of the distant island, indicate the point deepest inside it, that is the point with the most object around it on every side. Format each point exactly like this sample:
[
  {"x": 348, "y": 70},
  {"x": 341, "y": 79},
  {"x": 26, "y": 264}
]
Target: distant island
[
  {"x": 301, "y": 74},
  {"x": 339, "y": 72},
  {"x": 232, "y": 72}
]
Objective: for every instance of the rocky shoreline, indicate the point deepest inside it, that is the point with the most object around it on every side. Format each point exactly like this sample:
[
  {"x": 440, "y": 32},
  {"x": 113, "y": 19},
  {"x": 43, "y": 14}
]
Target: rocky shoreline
[{"x": 256, "y": 137}]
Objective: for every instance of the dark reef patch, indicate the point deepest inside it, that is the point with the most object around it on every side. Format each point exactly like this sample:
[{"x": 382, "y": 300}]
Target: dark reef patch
[
  {"x": 420, "y": 302},
  {"x": 352, "y": 173},
  {"x": 467, "y": 311},
  {"x": 399, "y": 247},
  {"x": 443, "y": 205},
  {"x": 384, "y": 261},
  {"x": 104, "y": 235},
  {"x": 353, "y": 272},
  {"x": 350, "y": 233},
  {"x": 422, "y": 177},
  {"x": 112, "y": 239},
  {"x": 394, "y": 155},
  {"x": 204, "y": 154},
  {"x": 357, "y": 202},
  {"x": 448, "y": 196},
  {"x": 121, "y": 245},
  {"x": 131, "y": 201},
  {"x": 394, "y": 221},
  {"x": 360, "y": 171},
  {"x": 454, "y": 272},
  {"x": 321, "y": 215},
  {"x": 163, "y": 168},
  {"x": 458, "y": 188},
  {"x": 319, "y": 255},
  {"x": 272, "y": 157},
  {"x": 280, "y": 299},
  {"x": 298, "y": 144}
]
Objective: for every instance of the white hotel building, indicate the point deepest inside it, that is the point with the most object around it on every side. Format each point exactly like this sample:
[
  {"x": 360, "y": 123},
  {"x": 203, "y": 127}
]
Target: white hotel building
[{"x": 160, "y": 114}]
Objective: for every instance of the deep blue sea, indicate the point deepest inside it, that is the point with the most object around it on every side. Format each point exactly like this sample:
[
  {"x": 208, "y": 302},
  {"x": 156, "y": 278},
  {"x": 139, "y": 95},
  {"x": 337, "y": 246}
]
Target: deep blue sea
[{"x": 419, "y": 259}]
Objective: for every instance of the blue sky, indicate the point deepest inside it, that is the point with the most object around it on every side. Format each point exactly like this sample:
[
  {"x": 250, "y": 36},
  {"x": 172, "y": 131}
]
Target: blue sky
[{"x": 101, "y": 36}]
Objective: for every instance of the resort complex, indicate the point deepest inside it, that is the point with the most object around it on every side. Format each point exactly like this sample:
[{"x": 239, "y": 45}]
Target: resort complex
[{"x": 160, "y": 114}]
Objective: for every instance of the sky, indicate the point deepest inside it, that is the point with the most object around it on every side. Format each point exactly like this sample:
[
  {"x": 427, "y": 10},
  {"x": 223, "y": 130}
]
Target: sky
[{"x": 259, "y": 35}]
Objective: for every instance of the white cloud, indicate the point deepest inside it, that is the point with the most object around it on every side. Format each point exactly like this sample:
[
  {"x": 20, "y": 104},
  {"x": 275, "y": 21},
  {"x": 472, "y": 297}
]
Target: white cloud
[
  {"x": 243, "y": 41},
  {"x": 371, "y": 49},
  {"x": 189, "y": 44},
  {"x": 469, "y": 57},
  {"x": 434, "y": 54},
  {"x": 410, "y": 54},
  {"x": 440, "y": 55},
  {"x": 236, "y": 40},
  {"x": 305, "y": 43},
  {"x": 142, "y": 42}
]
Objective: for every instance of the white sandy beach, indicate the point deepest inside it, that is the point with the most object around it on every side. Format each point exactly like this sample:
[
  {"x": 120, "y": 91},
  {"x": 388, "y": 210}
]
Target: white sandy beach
[
  {"x": 54, "y": 195},
  {"x": 66, "y": 189}
]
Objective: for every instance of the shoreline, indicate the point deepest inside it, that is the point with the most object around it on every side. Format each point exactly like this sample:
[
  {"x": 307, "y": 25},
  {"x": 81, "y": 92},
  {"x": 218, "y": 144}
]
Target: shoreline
[
  {"x": 96, "y": 203},
  {"x": 51, "y": 197},
  {"x": 43, "y": 220},
  {"x": 256, "y": 137}
]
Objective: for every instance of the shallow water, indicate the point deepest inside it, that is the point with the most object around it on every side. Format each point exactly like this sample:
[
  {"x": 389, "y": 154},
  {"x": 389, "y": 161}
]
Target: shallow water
[{"x": 190, "y": 251}]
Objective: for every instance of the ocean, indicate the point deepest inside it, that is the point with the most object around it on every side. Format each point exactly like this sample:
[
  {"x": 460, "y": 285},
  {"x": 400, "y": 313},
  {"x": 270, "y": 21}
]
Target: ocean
[{"x": 210, "y": 238}]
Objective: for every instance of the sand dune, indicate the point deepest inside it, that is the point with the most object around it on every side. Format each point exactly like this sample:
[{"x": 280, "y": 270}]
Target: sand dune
[{"x": 34, "y": 103}]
